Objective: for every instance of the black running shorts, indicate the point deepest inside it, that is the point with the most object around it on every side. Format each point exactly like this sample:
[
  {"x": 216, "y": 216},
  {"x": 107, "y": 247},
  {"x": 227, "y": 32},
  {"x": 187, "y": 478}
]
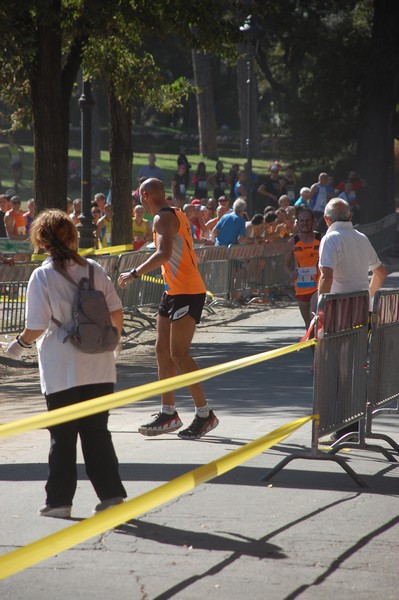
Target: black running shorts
[{"x": 176, "y": 307}]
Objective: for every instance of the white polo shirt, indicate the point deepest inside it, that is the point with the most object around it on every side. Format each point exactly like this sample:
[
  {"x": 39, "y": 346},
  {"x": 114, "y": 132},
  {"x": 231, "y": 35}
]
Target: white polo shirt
[
  {"x": 61, "y": 365},
  {"x": 350, "y": 254}
]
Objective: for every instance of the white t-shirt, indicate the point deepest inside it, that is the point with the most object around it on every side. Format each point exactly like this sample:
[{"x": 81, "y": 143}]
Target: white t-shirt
[
  {"x": 350, "y": 254},
  {"x": 321, "y": 199},
  {"x": 61, "y": 365}
]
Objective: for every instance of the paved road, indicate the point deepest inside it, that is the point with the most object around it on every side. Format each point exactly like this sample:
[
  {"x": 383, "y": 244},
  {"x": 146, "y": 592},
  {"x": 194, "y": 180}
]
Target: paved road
[{"x": 310, "y": 533}]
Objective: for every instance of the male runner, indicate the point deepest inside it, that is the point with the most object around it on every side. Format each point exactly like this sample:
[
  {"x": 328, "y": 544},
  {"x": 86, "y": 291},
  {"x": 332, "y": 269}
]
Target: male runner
[
  {"x": 304, "y": 248},
  {"x": 180, "y": 309}
]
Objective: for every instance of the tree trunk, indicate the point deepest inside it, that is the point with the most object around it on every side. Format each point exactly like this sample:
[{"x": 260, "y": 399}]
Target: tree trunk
[
  {"x": 375, "y": 150},
  {"x": 205, "y": 105},
  {"x": 243, "y": 103},
  {"x": 51, "y": 89},
  {"x": 50, "y": 105},
  {"x": 121, "y": 171}
]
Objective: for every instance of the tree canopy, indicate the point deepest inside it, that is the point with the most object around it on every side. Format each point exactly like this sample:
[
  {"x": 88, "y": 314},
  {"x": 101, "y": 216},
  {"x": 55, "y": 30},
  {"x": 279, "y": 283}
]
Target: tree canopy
[{"x": 321, "y": 66}]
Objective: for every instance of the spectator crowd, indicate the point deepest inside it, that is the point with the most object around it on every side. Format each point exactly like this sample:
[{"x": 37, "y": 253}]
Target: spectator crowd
[{"x": 216, "y": 204}]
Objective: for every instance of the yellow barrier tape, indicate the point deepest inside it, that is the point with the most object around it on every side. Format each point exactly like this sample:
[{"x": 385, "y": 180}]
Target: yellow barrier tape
[
  {"x": 142, "y": 392},
  {"x": 86, "y": 251},
  {"x": 112, "y": 249},
  {"x": 81, "y": 251},
  {"x": 38, "y": 257},
  {"x": 152, "y": 279},
  {"x": 12, "y": 300},
  {"x": 20, "y": 559}
]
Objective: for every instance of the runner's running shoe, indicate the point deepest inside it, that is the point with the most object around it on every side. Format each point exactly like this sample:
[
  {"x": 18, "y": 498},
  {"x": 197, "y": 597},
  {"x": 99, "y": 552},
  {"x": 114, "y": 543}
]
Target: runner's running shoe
[
  {"x": 199, "y": 427},
  {"x": 162, "y": 423}
]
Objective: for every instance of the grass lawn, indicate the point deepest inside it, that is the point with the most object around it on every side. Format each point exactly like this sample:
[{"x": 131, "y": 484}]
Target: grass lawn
[{"x": 167, "y": 162}]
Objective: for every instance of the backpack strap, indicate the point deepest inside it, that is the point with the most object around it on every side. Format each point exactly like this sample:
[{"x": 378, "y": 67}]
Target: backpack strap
[
  {"x": 66, "y": 276},
  {"x": 91, "y": 275},
  {"x": 69, "y": 278}
]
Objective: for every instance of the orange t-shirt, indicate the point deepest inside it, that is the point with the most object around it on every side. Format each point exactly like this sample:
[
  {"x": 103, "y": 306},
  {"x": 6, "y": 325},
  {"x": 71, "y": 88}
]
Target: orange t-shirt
[
  {"x": 19, "y": 222},
  {"x": 180, "y": 272}
]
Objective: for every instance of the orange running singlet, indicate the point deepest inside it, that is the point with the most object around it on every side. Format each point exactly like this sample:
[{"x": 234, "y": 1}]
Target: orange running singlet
[
  {"x": 180, "y": 272},
  {"x": 307, "y": 260},
  {"x": 19, "y": 222}
]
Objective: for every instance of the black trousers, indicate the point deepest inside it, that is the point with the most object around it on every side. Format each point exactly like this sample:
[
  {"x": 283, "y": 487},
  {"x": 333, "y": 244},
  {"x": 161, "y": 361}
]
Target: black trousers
[{"x": 97, "y": 447}]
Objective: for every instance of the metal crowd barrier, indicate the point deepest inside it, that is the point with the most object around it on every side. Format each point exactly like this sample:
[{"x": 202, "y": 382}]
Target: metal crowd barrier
[
  {"x": 383, "y": 387},
  {"x": 13, "y": 284},
  {"x": 18, "y": 273},
  {"x": 228, "y": 273},
  {"x": 341, "y": 360},
  {"x": 213, "y": 266},
  {"x": 257, "y": 270},
  {"x": 145, "y": 292},
  {"x": 109, "y": 264},
  {"x": 339, "y": 387},
  {"x": 248, "y": 271},
  {"x": 243, "y": 274},
  {"x": 383, "y": 374},
  {"x": 382, "y": 234}
]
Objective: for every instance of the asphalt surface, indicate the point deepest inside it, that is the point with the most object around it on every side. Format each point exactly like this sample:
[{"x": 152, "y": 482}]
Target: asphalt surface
[{"x": 310, "y": 533}]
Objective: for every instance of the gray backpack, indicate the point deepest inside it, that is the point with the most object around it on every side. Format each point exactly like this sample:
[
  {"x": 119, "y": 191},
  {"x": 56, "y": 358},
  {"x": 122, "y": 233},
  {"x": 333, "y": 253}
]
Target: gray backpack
[{"x": 91, "y": 330}]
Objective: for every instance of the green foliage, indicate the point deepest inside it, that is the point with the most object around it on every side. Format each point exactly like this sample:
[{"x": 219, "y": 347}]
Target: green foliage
[
  {"x": 312, "y": 55},
  {"x": 203, "y": 24},
  {"x": 134, "y": 76},
  {"x": 16, "y": 62}
]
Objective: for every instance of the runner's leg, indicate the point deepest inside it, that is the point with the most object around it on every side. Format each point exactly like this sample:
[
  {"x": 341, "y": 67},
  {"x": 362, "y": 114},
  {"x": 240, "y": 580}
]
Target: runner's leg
[
  {"x": 181, "y": 335},
  {"x": 166, "y": 366}
]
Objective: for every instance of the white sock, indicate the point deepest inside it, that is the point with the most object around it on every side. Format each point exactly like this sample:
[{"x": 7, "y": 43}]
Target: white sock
[
  {"x": 167, "y": 409},
  {"x": 203, "y": 411}
]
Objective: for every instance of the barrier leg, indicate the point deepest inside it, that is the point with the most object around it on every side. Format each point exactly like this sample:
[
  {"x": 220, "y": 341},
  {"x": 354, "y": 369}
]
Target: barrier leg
[
  {"x": 280, "y": 466},
  {"x": 381, "y": 436},
  {"x": 337, "y": 459},
  {"x": 389, "y": 440},
  {"x": 346, "y": 441},
  {"x": 336, "y": 446}
]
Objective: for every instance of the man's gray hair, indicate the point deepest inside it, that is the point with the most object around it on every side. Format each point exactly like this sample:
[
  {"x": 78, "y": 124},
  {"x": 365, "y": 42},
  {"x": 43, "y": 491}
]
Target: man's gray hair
[
  {"x": 337, "y": 209},
  {"x": 240, "y": 205}
]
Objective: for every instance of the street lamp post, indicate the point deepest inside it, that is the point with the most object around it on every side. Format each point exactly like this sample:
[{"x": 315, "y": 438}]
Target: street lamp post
[
  {"x": 249, "y": 30},
  {"x": 86, "y": 228}
]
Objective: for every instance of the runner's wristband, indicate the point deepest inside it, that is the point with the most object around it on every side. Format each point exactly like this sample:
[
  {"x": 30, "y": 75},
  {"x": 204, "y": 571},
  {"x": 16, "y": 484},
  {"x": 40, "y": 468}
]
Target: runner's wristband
[
  {"x": 134, "y": 274},
  {"x": 22, "y": 343}
]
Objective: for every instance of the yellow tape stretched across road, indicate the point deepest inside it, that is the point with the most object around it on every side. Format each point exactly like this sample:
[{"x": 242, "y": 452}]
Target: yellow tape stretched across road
[
  {"x": 142, "y": 392},
  {"x": 24, "y": 557}
]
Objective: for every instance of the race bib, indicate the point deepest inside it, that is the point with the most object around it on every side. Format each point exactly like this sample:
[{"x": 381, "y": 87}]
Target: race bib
[{"x": 306, "y": 277}]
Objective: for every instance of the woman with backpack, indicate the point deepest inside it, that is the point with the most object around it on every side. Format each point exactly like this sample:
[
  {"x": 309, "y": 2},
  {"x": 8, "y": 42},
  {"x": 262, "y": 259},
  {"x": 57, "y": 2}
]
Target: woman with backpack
[{"x": 69, "y": 375}]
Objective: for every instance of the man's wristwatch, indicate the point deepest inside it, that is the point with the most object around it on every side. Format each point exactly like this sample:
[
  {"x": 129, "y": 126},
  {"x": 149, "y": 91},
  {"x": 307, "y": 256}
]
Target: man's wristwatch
[{"x": 134, "y": 273}]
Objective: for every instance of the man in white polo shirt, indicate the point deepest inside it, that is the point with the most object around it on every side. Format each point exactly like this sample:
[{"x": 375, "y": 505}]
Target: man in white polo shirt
[
  {"x": 346, "y": 258},
  {"x": 346, "y": 255}
]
